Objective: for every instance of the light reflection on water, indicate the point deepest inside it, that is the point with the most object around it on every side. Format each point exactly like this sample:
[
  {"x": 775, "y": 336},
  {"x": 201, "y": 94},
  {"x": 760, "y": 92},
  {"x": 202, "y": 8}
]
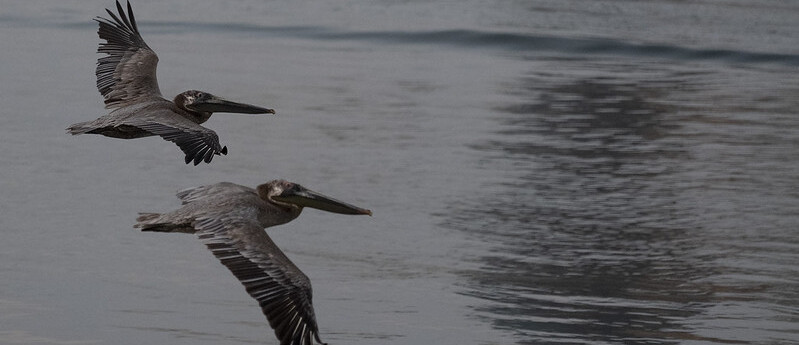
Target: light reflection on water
[{"x": 612, "y": 226}]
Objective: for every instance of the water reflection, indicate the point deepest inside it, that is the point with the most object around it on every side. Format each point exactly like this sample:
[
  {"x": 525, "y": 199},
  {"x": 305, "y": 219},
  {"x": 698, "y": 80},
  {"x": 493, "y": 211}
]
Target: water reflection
[{"x": 593, "y": 242}]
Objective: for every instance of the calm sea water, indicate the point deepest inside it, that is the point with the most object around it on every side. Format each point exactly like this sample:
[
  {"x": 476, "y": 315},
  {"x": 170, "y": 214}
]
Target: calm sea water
[{"x": 572, "y": 172}]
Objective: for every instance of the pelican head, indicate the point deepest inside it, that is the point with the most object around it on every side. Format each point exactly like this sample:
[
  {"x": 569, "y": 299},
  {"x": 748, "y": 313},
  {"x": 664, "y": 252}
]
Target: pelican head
[
  {"x": 294, "y": 196},
  {"x": 204, "y": 102}
]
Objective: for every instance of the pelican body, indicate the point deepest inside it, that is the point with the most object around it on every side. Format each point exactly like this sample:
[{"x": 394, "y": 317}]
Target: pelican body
[
  {"x": 126, "y": 78},
  {"x": 230, "y": 220}
]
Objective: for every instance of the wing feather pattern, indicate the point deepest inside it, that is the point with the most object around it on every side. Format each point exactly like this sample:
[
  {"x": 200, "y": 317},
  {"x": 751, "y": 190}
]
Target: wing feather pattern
[
  {"x": 128, "y": 72},
  {"x": 281, "y": 289},
  {"x": 200, "y": 144},
  {"x": 216, "y": 190}
]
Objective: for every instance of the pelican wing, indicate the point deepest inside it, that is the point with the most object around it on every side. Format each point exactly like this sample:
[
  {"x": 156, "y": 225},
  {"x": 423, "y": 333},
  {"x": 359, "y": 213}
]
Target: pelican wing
[
  {"x": 127, "y": 74},
  {"x": 216, "y": 190},
  {"x": 281, "y": 289},
  {"x": 197, "y": 142}
]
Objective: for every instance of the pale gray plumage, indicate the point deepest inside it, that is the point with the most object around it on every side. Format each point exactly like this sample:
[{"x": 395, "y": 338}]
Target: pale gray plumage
[
  {"x": 230, "y": 220},
  {"x": 126, "y": 78}
]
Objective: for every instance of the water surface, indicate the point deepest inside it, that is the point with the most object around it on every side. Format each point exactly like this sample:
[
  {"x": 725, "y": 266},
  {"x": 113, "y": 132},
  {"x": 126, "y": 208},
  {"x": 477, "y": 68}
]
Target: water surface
[{"x": 604, "y": 172}]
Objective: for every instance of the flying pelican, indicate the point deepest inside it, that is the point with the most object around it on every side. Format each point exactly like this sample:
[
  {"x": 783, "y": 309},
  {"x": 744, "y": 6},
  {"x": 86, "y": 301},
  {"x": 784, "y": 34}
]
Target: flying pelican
[
  {"x": 230, "y": 220},
  {"x": 126, "y": 79}
]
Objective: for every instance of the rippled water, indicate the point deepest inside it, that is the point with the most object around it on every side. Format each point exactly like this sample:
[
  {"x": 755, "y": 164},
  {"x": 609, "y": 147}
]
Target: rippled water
[
  {"x": 572, "y": 172},
  {"x": 629, "y": 211}
]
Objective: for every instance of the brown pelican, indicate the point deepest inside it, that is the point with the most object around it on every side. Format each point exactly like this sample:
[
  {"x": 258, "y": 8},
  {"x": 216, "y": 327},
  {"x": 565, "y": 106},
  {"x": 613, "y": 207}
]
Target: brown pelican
[
  {"x": 230, "y": 220},
  {"x": 126, "y": 79}
]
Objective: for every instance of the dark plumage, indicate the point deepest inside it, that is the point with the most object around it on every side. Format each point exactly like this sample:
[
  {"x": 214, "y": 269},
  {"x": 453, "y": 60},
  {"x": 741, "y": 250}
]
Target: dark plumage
[
  {"x": 230, "y": 220},
  {"x": 126, "y": 78}
]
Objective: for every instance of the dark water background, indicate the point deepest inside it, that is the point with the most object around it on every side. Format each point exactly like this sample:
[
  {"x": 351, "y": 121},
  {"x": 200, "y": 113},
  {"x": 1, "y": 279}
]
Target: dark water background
[{"x": 541, "y": 172}]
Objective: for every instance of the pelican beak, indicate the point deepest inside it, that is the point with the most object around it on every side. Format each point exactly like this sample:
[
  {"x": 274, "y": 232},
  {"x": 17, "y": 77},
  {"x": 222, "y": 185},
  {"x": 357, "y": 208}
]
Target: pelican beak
[
  {"x": 214, "y": 104},
  {"x": 301, "y": 196}
]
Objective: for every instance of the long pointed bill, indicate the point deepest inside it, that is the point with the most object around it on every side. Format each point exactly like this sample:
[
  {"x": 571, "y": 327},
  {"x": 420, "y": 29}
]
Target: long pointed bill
[
  {"x": 219, "y": 105},
  {"x": 301, "y": 196}
]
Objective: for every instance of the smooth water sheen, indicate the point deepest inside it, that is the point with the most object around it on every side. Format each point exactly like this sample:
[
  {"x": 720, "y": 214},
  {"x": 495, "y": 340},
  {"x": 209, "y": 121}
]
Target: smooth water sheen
[{"x": 541, "y": 172}]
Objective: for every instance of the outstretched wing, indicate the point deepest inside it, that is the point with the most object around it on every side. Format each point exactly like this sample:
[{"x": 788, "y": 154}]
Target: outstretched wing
[
  {"x": 127, "y": 74},
  {"x": 281, "y": 289},
  {"x": 197, "y": 142}
]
